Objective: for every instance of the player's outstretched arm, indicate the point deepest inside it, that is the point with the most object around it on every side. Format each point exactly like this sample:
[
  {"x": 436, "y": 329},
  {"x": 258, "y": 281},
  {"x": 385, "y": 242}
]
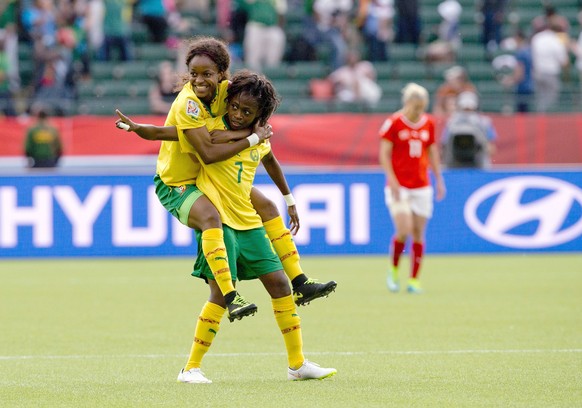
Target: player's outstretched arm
[
  {"x": 209, "y": 152},
  {"x": 146, "y": 131},
  {"x": 276, "y": 174}
]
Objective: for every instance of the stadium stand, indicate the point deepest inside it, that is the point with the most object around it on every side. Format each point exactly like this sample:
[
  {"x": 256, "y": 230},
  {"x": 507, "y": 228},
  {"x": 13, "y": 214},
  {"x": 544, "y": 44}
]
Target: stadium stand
[{"x": 128, "y": 82}]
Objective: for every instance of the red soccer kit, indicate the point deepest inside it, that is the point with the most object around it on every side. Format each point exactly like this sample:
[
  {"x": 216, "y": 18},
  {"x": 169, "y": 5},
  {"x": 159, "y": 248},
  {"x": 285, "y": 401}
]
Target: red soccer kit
[{"x": 410, "y": 142}]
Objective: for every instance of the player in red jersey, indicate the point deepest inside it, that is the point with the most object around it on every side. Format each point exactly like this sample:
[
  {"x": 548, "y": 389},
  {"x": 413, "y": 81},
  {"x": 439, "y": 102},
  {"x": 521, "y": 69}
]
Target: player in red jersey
[{"x": 407, "y": 149}]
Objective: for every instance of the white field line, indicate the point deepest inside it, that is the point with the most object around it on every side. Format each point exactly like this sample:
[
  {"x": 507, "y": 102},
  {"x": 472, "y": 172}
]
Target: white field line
[{"x": 336, "y": 353}]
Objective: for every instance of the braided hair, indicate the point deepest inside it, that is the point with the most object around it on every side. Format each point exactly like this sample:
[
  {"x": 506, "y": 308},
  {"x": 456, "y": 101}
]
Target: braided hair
[{"x": 257, "y": 86}]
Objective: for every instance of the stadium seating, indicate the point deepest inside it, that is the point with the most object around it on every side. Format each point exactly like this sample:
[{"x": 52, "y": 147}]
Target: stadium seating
[{"x": 123, "y": 81}]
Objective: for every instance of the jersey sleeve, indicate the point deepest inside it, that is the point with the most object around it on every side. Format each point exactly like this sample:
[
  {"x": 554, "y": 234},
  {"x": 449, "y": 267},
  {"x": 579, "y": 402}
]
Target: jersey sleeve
[
  {"x": 431, "y": 131},
  {"x": 386, "y": 130},
  {"x": 210, "y": 123},
  {"x": 264, "y": 148},
  {"x": 189, "y": 114}
]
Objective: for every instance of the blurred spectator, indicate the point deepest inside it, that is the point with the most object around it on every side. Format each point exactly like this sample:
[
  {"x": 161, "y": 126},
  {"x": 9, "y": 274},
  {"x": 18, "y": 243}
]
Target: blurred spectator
[
  {"x": 6, "y": 96},
  {"x": 444, "y": 44},
  {"x": 39, "y": 21},
  {"x": 549, "y": 57},
  {"x": 356, "y": 81},
  {"x": 117, "y": 29},
  {"x": 163, "y": 92},
  {"x": 153, "y": 15},
  {"x": 542, "y": 22},
  {"x": 264, "y": 39},
  {"x": 493, "y": 14},
  {"x": 75, "y": 20},
  {"x": 449, "y": 31},
  {"x": 93, "y": 23},
  {"x": 456, "y": 82},
  {"x": 521, "y": 77},
  {"x": 326, "y": 28},
  {"x": 43, "y": 143},
  {"x": 578, "y": 51},
  {"x": 408, "y": 25},
  {"x": 468, "y": 137},
  {"x": 375, "y": 19},
  {"x": 9, "y": 36},
  {"x": 55, "y": 91}
]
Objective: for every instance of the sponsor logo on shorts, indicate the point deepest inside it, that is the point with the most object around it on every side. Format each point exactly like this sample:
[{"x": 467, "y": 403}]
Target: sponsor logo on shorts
[{"x": 180, "y": 189}]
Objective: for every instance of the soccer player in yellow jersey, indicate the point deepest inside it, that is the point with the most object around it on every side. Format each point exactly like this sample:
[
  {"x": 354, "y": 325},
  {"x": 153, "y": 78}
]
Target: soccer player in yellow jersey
[
  {"x": 202, "y": 98},
  {"x": 228, "y": 184}
]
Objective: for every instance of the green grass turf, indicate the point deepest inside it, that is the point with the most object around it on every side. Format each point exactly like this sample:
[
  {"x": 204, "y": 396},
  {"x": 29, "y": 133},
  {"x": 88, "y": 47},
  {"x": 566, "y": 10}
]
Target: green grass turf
[{"x": 490, "y": 331}]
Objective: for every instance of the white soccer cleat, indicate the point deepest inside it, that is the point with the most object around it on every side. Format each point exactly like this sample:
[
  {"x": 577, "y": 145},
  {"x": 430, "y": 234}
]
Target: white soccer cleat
[
  {"x": 310, "y": 371},
  {"x": 193, "y": 376}
]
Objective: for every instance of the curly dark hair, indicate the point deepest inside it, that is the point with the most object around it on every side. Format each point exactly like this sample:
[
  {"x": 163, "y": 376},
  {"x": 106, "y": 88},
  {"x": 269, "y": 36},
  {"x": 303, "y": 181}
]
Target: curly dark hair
[
  {"x": 257, "y": 86},
  {"x": 214, "y": 49}
]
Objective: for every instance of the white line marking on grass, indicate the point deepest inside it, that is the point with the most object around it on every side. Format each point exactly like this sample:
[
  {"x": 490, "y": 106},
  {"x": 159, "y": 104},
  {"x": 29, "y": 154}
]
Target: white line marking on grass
[{"x": 254, "y": 354}]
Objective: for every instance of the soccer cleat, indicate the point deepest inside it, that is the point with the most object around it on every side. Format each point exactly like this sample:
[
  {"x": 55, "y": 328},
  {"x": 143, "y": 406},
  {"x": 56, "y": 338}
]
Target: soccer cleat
[
  {"x": 392, "y": 280},
  {"x": 310, "y": 371},
  {"x": 311, "y": 290},
  {"x": 193, "y": 376},
  {"x": 239, "y": 308},
  {"x": 414, "y": 286}
]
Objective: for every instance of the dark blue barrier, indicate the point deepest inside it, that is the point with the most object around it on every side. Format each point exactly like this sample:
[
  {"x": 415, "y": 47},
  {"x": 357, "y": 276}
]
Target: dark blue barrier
[{"x": 341, "y": 213}]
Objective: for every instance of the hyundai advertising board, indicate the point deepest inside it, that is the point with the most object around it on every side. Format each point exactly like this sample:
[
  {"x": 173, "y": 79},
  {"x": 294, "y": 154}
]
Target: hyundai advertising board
[{"x": 340, "y": 212}]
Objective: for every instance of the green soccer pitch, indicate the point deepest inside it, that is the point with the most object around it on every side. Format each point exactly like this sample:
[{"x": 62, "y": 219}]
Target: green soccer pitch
[{"x": 489, "y": 331}]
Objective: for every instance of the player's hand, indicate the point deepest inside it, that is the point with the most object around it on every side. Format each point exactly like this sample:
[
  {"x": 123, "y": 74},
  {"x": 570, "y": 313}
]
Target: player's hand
[
  {"x": 293, "y": 219},
  {"x": 441, "y": 190},
  {"x": 125, "y": 122},
  {"x": 264, "y": 132},
  {"x": 394, "y": 189}
]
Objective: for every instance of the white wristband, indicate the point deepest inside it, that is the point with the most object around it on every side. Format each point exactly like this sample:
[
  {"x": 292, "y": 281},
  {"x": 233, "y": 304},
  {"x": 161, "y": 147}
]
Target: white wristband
[
  {"x": 253, "y": 139},
  {"x": 289, "y": 200},
  {"x": 123, "y": 126}
]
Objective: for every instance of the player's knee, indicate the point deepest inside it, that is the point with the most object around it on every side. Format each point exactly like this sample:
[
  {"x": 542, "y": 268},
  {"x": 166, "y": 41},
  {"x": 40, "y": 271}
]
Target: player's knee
[
  {"x": 266, "y": 209},
  {"x": 206, "y": 220}
]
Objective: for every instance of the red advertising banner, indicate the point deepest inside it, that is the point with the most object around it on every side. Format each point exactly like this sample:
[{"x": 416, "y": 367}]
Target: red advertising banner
[{"x": 339, "y": 139}]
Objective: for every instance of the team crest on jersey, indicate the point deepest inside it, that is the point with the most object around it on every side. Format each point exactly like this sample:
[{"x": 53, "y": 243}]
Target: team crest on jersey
[
  {"x": 255, "y": 155},
  {"x": 192, "y": 108},
  {"x": 424, "y": 135},
  {"x": 404, "y": 134}
]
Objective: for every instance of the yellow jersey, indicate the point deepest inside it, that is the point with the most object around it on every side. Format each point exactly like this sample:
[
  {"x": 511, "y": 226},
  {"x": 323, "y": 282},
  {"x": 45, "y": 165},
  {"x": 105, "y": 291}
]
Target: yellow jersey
[
  {"x": 228, "y": 183},
  {"x": 175, "y": 166}
]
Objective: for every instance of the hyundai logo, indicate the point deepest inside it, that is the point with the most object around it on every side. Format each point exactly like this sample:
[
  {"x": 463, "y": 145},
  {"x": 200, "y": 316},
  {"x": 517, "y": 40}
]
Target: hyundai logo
[{"x": 526, "y": 212}]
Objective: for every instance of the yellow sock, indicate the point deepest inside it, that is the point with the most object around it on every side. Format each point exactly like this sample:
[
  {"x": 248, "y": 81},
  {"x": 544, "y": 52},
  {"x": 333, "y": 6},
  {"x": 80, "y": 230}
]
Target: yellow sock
[
  {"x": 290, "y": 324},
  {"x": 215, "y": 253},
  {"x": 284, "y": 245},
  {"x": 206, "y": 329}
]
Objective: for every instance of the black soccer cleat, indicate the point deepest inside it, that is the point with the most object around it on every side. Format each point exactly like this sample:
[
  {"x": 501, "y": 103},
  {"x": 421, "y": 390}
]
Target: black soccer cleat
[
  {"x": 240, "y": 308},
  {"x": 311, "y": 290}
]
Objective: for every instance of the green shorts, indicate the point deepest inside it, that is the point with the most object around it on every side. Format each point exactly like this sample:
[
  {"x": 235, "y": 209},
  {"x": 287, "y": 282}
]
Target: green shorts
[
  {"x": 177, "y": 200},
  {"x": 250, "y": 255}
]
